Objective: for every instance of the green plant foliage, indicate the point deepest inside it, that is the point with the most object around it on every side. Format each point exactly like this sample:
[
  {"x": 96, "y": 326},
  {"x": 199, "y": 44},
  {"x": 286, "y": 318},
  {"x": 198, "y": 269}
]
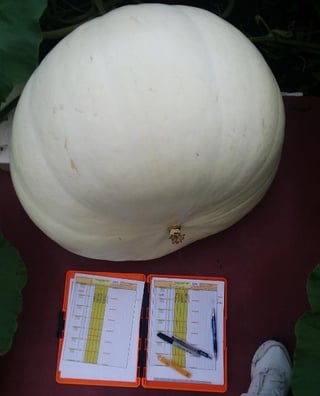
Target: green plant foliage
[
  {"x": 287, "y": 32},
  {"x": 306, "y": 360},
  {"x": 13, "y": 277},
  {"x": 20, "y": 36}
]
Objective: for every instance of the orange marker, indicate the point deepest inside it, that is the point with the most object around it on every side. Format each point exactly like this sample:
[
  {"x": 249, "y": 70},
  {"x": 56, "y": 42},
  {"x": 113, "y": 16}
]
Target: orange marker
[{"x": 173, "y": 365}]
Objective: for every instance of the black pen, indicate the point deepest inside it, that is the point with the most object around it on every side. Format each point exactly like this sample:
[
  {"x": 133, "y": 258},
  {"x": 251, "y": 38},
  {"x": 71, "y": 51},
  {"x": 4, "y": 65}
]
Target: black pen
[
  {"x": 214, "y": 333},
  {"x": 183, "y": 345}
]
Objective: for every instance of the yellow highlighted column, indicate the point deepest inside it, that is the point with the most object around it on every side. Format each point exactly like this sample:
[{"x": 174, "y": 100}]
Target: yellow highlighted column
[
  {"x": 96, "y": 324},
  {"x": 180, "y": 324}
]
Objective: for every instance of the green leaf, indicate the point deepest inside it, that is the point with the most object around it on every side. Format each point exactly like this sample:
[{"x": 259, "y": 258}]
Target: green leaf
[
  {"x": 306, "y": 359},
  {"x": 20, "y": 37},
  {"x": 13, "y": 277},
  {"x": 313, "y": 290}
]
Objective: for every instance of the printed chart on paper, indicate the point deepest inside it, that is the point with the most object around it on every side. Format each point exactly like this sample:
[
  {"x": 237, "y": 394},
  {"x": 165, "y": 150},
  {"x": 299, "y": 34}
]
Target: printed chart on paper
[
  {"x": 184, "y": 308},
  {"x": 102, "y": 325}
]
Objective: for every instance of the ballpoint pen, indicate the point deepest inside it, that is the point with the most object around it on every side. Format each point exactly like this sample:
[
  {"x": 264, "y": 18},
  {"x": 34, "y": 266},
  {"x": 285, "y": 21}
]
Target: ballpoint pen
[
  {"x": 183, "y": 345},
  {"x": 214, "y": 333}
]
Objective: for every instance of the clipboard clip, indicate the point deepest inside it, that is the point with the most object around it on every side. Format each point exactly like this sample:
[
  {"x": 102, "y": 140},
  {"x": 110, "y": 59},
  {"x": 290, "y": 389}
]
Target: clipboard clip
[{"x": 61, "y": 323}]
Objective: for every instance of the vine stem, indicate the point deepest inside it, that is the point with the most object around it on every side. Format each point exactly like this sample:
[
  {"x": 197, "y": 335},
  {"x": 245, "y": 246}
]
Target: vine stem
[
  {"x": 273, "y": 40},
  {"x": 259, "y": 19},
  {"x": 6, "y": 110},
  {"x": 100, "y": 6},
  {"x": 59, "y": 33},
  {"x": 228, "y": 9},
  {"x": 80, "y": 18}
]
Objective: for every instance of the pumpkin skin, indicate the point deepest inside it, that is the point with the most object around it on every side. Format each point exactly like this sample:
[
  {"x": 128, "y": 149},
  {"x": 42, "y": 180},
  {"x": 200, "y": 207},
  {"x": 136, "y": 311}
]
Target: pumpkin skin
[{"x": 145, "y": 130}]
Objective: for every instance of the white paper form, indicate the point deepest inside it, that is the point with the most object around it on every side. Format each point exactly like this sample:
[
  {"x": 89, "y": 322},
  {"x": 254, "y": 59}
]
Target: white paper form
[
  {"x": 102, "y": 329},
  {"x": 183, "y": 308}
]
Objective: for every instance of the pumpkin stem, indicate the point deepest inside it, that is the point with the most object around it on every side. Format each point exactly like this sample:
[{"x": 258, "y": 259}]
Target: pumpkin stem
[{"x": 175, "y": 234}]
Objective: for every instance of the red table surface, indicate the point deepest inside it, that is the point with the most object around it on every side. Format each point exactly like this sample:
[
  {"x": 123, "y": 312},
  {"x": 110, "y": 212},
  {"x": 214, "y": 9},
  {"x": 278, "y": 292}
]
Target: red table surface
[{"x": 266, "y": 258}]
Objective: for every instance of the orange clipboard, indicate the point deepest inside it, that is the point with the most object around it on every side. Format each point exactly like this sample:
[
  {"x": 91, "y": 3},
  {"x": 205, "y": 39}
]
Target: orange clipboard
[{"x": 141, "y": 378}]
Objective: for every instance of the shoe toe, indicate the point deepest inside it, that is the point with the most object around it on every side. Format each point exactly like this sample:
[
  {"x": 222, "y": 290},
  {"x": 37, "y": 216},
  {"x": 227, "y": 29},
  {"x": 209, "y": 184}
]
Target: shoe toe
[{"x": 271, "y": 355}]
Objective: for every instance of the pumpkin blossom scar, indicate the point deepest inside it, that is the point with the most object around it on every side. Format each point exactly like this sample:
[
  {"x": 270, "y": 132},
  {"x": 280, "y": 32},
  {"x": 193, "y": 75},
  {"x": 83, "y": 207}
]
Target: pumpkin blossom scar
[{"x": 176, "y": 235}]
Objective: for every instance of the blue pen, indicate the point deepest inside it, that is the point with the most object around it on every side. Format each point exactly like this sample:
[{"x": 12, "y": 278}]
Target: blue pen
[{"x": 214, "y": 333}]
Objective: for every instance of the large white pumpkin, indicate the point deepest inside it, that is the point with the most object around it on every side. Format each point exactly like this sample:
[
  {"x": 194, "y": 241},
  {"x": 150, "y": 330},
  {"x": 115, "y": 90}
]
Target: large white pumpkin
[{"x": 144, "y": 130}]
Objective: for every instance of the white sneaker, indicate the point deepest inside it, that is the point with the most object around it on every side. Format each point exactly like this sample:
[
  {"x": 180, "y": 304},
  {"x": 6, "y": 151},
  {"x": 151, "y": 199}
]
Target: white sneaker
[{"x": 270, "y": 371}]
